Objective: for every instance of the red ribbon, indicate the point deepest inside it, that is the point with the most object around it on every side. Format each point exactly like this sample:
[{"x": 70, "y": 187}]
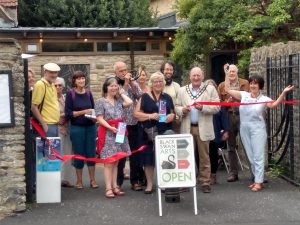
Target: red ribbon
[
  {"x": 110, "y": 159},
  {"x": 102, "y": 133},
  {"x": 239, "y": 103}
]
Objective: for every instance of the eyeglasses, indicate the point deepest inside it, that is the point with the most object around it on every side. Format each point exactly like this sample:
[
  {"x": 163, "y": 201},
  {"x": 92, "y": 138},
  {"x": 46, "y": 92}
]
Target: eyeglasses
[
  {"x": 58, "y": 85},
  {"x": 157, "y": 81}
]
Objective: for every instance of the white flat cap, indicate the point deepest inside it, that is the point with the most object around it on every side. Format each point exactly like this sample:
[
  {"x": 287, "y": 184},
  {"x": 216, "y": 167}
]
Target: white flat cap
[{"x": 51, "y": 67}]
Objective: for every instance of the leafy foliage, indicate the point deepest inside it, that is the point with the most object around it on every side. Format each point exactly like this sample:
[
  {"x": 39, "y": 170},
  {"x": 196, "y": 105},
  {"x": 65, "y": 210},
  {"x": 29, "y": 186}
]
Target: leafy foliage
[
  {"x": 214, "y": 24},
  {"x": 86, "y": 13}
]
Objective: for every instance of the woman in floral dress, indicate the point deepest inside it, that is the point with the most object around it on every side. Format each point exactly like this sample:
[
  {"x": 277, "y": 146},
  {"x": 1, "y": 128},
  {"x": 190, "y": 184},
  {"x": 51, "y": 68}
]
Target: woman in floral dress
[{"x": 109, "y": 112}]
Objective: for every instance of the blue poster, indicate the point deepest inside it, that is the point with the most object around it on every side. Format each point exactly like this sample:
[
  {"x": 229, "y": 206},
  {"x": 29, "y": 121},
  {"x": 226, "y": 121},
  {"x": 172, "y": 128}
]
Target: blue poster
[{"x": 45, "y": 158}]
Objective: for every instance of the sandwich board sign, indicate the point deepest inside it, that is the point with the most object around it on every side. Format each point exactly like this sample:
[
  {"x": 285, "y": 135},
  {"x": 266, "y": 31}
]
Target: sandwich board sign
[
  {"x": 48, "y": 170},
  {"x": 175, "y": 163}
]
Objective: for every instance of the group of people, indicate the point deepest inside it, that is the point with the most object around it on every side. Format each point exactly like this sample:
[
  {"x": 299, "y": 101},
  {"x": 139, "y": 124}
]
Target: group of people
[{"x": 148, "y": 106}]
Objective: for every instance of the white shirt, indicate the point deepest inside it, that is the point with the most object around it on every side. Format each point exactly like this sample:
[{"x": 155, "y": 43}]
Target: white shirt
[{"x": 255, "y": 112}]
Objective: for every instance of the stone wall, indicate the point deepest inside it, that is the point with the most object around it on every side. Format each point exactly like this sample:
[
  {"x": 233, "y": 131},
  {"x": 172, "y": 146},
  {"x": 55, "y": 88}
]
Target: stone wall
[
  {"x": 100, "y": 66},
  {"x": 259, "y": 55},
  {"x": 258, "y": 67},
  {"x": 12, "y": 139}
]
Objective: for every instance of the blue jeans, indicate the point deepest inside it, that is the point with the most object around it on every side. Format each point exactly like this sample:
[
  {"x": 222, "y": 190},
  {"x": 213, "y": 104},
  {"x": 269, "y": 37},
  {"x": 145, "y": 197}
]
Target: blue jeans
[{"x": 83, "y": 140}]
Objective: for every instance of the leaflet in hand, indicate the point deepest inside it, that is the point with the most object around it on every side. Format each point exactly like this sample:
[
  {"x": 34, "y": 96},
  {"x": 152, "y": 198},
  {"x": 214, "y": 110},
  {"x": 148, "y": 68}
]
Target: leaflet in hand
[
  {"x": 162, "y": 111},
  {"x": 121, "y": 133},
  {"x": 91, "y": 116}
]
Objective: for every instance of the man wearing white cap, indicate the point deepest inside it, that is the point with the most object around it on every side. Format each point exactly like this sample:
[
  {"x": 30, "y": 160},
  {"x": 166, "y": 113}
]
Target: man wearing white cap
[{"x": 44, "y": 105}]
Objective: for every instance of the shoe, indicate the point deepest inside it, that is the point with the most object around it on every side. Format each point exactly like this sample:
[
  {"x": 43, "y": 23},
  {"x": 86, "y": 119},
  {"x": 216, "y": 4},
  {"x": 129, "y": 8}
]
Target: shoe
[
  {"x": 213, "y": 179},
  {"x": 79, "y": 186},
  {"x": 109, "y": 193},
  {"x": 126, "y": 177},
  {"x": 136, "y": 187},
  {"x": 93, "y": 184},
  {"x": 257, "y": 187},
  {"x": 147, "y": 192},
  {"x": 118, "y": 191},
  {"x": 232, "y": 178},
  {"x": 66, "y": 183},
  {"x": 181, "y": 190},
  {"x": 206, "y": 189}
]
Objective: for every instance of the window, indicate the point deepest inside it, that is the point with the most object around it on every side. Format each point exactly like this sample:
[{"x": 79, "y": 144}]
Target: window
[
  {"x": 125, "y": 46},
  {"x": 169, "y": 46},
  {"x": 102, "y": 47},
  {"x": 120, "y": 46},
  {"x": 67, "y": 47},
  {"x": 155, "y": 46},
  {"x": 139, "y": 46}
]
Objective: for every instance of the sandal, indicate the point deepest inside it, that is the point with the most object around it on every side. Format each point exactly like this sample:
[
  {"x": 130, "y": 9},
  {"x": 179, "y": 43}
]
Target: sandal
[
  {"x": 93, "y": 184},
  {"x": 257, "y": 187},
  {"x": 79, "y": 186},
  {"x": 118, "y": 192},
  {"x": 251, "y": 186},
  {"x": 109, "y": 193},
  {"x": 136, "y": 187}
]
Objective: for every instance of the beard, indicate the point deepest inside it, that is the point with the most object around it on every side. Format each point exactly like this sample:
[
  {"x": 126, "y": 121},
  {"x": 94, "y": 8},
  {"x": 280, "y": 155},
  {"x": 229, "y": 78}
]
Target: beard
[{"x": 168, "y": 81}]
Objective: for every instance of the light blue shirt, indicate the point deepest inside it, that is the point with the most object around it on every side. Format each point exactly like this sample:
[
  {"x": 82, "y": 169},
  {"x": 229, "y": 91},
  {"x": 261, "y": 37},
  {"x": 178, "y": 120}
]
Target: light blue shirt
[{"x": 194, "y": 112}]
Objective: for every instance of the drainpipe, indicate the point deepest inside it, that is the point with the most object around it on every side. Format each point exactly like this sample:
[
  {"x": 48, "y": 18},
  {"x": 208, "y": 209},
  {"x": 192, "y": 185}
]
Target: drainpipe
[
  {"x": 132, "y": 63},
  {"x": 29, "y": 153}
]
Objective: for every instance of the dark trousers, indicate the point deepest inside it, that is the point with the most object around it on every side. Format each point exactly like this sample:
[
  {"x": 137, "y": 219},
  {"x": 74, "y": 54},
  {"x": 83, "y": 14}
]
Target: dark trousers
[
  {"x": 234, "y": 128},
  {"x": 214, "y": 155},
  {"x": 136, "y": 171}
]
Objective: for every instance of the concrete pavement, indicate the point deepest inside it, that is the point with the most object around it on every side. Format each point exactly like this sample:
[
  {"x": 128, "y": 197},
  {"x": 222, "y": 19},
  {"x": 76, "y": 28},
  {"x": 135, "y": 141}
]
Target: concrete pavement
[{"x": 229, "y": 203}]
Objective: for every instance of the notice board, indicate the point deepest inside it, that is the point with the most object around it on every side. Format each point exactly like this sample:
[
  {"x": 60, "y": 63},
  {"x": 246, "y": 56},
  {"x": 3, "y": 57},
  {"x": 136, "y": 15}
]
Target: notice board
[
  {"x": 175, "y": 160},
  {"x": 6, "y": 99}
]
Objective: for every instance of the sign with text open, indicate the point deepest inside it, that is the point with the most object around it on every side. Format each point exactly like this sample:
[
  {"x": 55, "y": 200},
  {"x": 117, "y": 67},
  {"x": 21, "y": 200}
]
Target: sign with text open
[{"x": 175, "y": 161}]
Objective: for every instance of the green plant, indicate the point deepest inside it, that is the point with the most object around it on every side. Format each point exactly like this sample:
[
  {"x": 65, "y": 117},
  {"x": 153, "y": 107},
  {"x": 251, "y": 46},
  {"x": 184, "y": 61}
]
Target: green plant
[{"x": 275, "y": 171}]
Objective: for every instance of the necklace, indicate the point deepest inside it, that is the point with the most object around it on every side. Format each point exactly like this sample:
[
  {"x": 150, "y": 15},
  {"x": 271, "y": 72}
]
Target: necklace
[
  {"x": 154, "y": 96},
  {"x": 198, "y": 94},
  {"x": 257, "y": 97}
]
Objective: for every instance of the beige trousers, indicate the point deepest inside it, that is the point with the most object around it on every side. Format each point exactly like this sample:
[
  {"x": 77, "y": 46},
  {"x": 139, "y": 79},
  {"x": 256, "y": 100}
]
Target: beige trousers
[{"x": 204, "y": 162}]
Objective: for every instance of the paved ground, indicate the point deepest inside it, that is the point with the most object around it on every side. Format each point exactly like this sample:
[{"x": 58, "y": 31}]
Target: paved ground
[{"x": 229, "y": 203}]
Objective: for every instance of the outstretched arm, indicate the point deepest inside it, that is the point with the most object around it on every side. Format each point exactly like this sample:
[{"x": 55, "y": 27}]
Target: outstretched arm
[{"x": 281, "y": 97}]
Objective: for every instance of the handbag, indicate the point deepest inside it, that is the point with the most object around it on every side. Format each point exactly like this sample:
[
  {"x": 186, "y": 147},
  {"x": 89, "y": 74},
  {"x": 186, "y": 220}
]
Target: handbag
[{"x": 151, "y": 133}]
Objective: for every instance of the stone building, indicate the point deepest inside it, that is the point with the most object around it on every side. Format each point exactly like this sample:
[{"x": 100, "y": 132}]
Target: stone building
[
  {"x": 93, "y": 50},
  {"x": 12, "y": 139}
]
